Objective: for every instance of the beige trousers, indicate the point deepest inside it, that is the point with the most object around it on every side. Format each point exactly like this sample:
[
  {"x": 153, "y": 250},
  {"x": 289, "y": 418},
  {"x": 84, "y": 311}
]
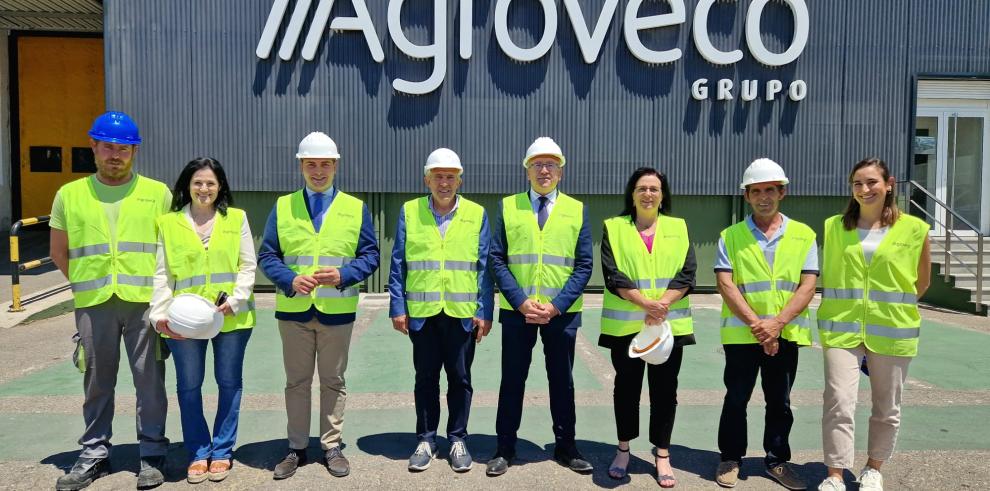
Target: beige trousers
[
  {"x": 305, "y": 347},
  {"x": 887, "y": 376}
]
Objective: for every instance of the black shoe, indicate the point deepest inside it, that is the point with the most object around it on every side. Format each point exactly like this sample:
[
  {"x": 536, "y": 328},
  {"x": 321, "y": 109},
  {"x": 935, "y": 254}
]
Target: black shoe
[
  {"x": 336, "y": 463},
  {"x": 499, "y": 463},
  {"x": 152, "y": 473},
  {"x": 287, "y": 467},
  {"x": 573, "y": 460},
  {"x": 83, "y": 473}
]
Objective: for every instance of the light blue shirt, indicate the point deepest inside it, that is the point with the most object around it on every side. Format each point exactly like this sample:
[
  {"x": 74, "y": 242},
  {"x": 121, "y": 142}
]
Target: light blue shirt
[
  {"x": 534, "y": 200},
  {"x": 768, "y": 245},
  {"x": 443, "y": 221}
]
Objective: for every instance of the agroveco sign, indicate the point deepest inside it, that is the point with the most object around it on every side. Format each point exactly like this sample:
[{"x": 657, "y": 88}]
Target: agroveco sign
[{"x": 589, "y": 37}]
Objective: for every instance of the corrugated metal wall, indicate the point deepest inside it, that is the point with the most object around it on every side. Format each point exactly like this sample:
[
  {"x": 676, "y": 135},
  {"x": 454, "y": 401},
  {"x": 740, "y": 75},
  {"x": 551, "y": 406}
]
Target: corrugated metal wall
[{"x": 186, "y": 69}]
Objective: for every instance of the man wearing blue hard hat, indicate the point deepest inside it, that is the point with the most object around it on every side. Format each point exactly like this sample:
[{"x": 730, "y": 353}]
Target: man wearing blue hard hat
[{"x": 104, "y": 240}]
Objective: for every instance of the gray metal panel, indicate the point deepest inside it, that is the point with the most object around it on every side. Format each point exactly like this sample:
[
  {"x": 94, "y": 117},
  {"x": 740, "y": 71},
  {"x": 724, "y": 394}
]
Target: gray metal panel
[{"x": 188, "y": 73}]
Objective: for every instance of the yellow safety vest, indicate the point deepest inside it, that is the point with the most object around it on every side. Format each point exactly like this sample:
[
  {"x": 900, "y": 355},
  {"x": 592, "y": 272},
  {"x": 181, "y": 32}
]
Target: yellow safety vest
[
  {"x": 650, "y": 271},
  {"x": 442, "y": 272},
  {"x": 767, "y": 289},
  {"x": 541, "y": 260},
  {"x": 876, "y": 304},
  {"x": 305, "y": 251},
  {"x": 101, "y": 266},
  {"x": 206, "y": 272}
]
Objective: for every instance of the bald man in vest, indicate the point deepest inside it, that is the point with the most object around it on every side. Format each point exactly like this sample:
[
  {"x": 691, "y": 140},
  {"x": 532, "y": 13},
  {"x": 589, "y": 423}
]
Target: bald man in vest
[
  {"x": 765, "y": 271},
  {"x": 442, "y": 298},
  {"x": 542, "y": 259},
  {"x": 319, "y": 244},
  {"x": 104, "y": 240}
]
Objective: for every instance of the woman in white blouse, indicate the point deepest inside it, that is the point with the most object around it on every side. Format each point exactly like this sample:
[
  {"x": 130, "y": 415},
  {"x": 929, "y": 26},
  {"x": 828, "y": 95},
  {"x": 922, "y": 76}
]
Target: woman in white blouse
[{"x": 205, "y": 247}]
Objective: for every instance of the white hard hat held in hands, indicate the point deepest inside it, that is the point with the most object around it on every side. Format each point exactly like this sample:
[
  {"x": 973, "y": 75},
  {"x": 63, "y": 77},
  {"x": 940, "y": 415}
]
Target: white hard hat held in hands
[
  {"x": 192, "y": 316},
  {"x": 653, "y": 344},
  {"x": 544, "y": 145},
  {"x": 763, "y": 170},
  {"x": 443, "y": 158},
  {"x": 317, "y": 145}
]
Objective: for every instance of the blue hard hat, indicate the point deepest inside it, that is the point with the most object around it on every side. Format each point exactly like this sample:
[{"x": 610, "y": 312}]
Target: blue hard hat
[{"x": 115, "y": 127}]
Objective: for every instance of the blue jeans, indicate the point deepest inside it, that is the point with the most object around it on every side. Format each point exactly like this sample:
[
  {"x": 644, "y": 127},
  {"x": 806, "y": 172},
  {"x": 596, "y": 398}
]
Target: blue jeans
[{"x": 190, "y": 369}]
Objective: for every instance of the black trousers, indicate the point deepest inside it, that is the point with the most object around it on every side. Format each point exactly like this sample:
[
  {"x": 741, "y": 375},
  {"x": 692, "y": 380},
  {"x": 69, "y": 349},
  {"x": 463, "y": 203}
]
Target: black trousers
[
  {"x": 518, "y": 341},
  {"x": 662, "y": 381},
  {"x": 442, "y": 343},
  {"x": 742, "y": 364}
]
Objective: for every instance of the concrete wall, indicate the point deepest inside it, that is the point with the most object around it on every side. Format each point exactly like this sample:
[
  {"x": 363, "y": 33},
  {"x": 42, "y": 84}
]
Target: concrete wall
[
  {"x": 706, "y": 216},
  {"x": 5, "y": 120}
]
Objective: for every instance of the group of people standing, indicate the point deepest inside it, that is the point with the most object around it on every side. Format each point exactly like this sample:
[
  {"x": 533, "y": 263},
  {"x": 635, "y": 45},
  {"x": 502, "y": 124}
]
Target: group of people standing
[{"x": 126, "y": 242}]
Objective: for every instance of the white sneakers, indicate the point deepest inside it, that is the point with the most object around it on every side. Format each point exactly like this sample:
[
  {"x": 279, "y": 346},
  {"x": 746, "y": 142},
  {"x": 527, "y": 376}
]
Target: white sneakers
[
  {"x": 869, "y": 480},
  {"x": 832, "y": 484}
]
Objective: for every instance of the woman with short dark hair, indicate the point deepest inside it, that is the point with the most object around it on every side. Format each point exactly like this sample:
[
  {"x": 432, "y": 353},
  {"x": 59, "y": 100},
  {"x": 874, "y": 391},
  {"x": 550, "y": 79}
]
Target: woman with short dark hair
[
  {"x": 649, "y": 269},
  {"x": 205, "y": 247}
]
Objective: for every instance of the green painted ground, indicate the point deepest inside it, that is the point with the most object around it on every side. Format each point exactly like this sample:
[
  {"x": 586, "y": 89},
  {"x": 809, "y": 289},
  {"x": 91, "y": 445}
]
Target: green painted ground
[{"x": 381, "y": 362}]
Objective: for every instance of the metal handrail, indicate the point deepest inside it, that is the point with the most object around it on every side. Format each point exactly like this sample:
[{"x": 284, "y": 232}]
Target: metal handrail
[
  {"x": 16, "y": 267},
  {"x": 949, "y": 232}
]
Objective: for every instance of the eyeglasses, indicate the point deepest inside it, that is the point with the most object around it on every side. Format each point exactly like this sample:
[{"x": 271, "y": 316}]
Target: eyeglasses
[{"x": 544, "y": 165}]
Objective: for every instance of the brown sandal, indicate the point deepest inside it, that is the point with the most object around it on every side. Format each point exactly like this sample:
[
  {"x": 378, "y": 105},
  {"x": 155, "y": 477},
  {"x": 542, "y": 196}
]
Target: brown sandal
[
  {"x": 219, "y": 469},
  {"x": 197, "y": 472}
]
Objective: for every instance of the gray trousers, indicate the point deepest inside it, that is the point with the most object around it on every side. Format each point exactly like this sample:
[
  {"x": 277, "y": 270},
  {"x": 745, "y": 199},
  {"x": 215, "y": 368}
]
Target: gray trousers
[{"x": 100, "y": 329}]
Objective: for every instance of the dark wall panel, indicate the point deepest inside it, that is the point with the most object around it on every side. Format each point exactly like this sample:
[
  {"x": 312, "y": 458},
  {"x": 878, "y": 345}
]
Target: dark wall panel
[{"x": 187, "y": 72}]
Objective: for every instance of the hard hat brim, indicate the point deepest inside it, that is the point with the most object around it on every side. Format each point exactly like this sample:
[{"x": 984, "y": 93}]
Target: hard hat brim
[
  {"x": 560, "y": 157},
  {"x": 783, "y": 182},
  {"x": 335, "y": 156},
  {"x": 123, "y": 141}
]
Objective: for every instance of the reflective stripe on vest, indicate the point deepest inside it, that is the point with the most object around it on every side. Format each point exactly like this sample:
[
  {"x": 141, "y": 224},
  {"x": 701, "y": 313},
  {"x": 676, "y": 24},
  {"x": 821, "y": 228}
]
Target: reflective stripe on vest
[
  {"x": 541, "y": 260},
  {"x": 442, "y": 272},
  {"x": 650, "y": 271},
  {"x": 767, "y": 288},
  {"x": 305, "y": 251},
  {"x": 875, "y": 304},
  {"x": 207, "y": 271},
  {"x": 100, "y": 265}
]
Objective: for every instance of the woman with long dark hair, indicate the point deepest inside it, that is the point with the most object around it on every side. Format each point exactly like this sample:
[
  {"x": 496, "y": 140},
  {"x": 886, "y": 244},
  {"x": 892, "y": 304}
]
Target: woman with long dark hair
[
  {"x": 876, "y": 265},
  {"x": 205, "y": 247},
  {"x": 649, "y": 269}
]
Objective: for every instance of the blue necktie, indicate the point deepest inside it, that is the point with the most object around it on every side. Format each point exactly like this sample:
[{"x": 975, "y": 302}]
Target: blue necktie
[
  {"x": 542, "y": 213},
  {"x": 316, "y": 207}
]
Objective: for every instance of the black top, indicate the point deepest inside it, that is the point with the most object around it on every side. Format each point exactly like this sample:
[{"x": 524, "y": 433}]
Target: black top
[{"x": 615, "y": 279}]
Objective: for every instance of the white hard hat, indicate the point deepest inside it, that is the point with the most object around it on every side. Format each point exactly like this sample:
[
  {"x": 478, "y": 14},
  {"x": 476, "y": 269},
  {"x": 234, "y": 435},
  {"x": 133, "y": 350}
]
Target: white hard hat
[
  {"x": 192, "y": 316},
  {"x": 543, "y": 145},
  {"x": 317, "y": 145},
  {"x": 763, "y": 170},
  {"x": 653, "y": 344},
  {"x": 443, "y": 158}
]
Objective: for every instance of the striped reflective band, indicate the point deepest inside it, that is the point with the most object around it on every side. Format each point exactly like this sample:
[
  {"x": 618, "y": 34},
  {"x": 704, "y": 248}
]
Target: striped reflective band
[
  {"x": 836, "y": 326},
  {"x": 333, "y": 261},
  {"x": 548, "y": 259},
  {"x": 223, "y": 277},
  {"x": 765, "y": 286},
  {"x": 736, "y": 322},
  {"x": 90, "y": 250},
  {"x": 461, "y": 297},
  {"x": 675, "y": 314},
  {"x": 843, "y": 293},
  {"x": 547, "y": 292},
  {"x": 893, "y": 297},
  {"x": 423, "y": 296},
  {"x": 298, "y": 260},
  {"x": 126, "y": 279},
  {"x": 137, "y": 247},
  {"x": 190, "y": 282},
  {"x": 96, "y": 284},
  {"x": 646, "y": 284},
  {"x": 435, "y": 265},
  {"x": 333, "y": 292},
  {"x": 871, "y": 329},
  {"x": 623, "y": 315},
  {"x": 423, "y": 265}
]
